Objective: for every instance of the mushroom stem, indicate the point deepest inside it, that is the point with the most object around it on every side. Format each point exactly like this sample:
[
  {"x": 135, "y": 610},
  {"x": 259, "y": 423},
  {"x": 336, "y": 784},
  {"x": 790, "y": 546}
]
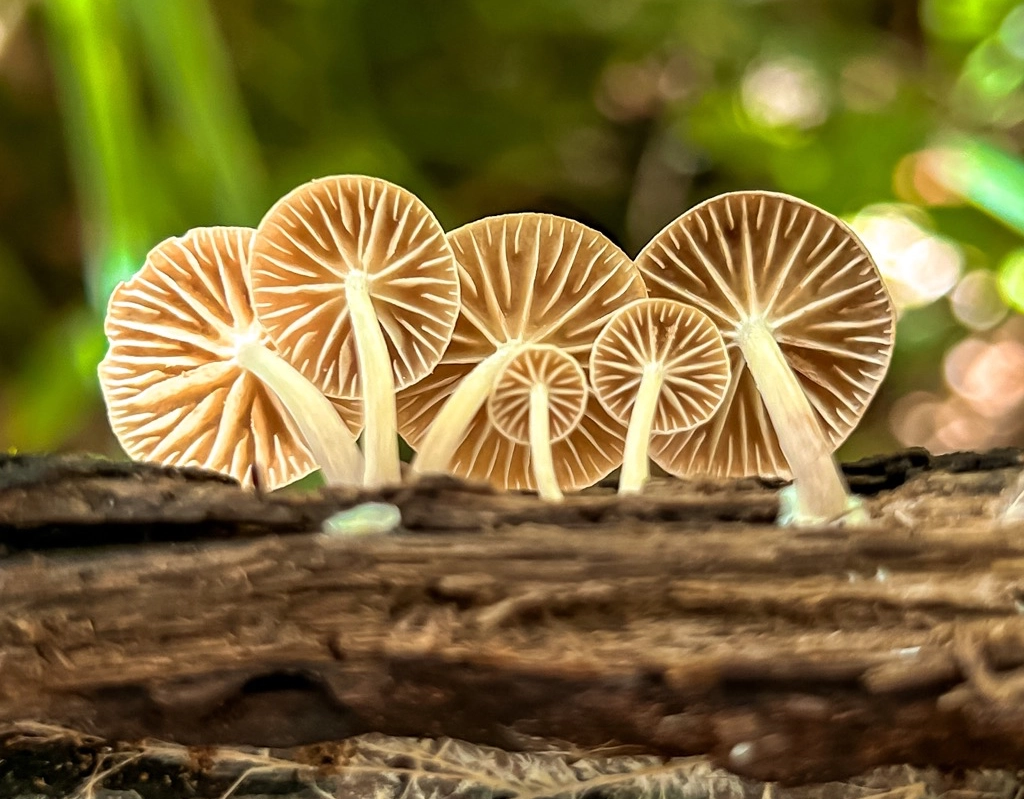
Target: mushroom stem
[
  {"x": 329, "y": 440},
  {"x": 540, "y": 445},
  {"x": 820, "y": 488},
  {"x": 635, "y": 463},
  {"x": 449, "y": 427},
  {"x": 380, "y": 419}
]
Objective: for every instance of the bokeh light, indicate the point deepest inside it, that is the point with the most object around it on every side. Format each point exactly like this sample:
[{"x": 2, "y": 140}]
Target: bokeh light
[
  {"x": 1011, "y": 280},
  {"x": 869, "y": 83},
  {"x": 10, "y": 18},
  {"x": 994, "y": 381},
  {"x": 785, "y": 91},
  {"x": 983, "y": 174},
  {"x": 984, "y": 406},
  {"x": 1011, "y": 32},
  {"x": 919, "y": 179},
  {"x": 988, "y": 86},
  {"x": 122, "y": 123},
  {"x": 918, "y": 266},
  {"x": 628, "y": 90},
  {"x": 962, "y": 20},
  {"x": 977, "y": 302},
  {"x": 913, "y": 418}
]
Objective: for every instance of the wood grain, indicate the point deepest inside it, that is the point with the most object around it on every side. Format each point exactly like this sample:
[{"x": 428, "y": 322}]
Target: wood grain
[{"x": 678, "y": 623}]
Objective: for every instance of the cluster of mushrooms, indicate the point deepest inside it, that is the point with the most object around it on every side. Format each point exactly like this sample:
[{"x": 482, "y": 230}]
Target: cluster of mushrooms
[{"x": 524, "y": 350}]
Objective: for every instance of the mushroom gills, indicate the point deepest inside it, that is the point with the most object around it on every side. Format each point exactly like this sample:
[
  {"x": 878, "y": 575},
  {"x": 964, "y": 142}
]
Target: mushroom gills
[
  {"x": 355, "y": 283},
  {"x": 540, "y": 445},
  {"x": 449, "y": 427},
  {"x": 660, "y": 367},
  {"x": 329, "y": 440},
  {"x": 821, "y": 492},
  {"x": 380, "y": 421},
  {"x": 783, "y": 281},
  {"x": 526, "y": 279},
  {"x": 539, "y": 398},
  {"x": 636, "y": 469},
  {"x": 191, "y": 377}
]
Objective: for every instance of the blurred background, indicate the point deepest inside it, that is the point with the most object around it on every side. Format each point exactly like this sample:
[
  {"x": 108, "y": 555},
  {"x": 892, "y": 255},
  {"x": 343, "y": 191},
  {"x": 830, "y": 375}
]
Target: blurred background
[{"x": 126, "y": 121}]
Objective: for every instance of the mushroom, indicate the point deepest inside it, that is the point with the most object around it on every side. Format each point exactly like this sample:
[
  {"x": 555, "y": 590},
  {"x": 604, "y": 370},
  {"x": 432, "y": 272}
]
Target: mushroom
[
  {"x": 356, "y": 284},
  {"x": 539, "y": 398},
  {"x": 657, "y": 366},
  {"x": 192, "y": 379},
  {"x": 526, "y": 279},
  {"x": 809, "y": 328}
]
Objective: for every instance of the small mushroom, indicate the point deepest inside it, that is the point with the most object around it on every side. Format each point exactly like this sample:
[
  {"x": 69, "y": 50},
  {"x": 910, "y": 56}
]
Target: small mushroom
[
  {"x": 356, "y": 284},
  {"x": 526, "y": 279},
  {"x": 809, "y": 328},
  {"x": 191, "y": 379},
  {"x": 539, "y": 399},
  {"x": 657, "y": 366}
]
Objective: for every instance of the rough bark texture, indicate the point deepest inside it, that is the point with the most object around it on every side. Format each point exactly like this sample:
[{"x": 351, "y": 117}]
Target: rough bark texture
[{"x": 679, "y": 623}]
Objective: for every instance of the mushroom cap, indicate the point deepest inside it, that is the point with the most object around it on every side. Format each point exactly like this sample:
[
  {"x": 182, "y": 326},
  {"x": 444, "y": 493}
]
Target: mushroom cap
[
  {"x": 174, "y": 392},
  {"x": 682, "y": 341},
  {"x": 541, "y": 364},
  {"x": 527, "y": 278},
  {"x": 750, "y": 255},
  {"x": 306, "y": 248}
]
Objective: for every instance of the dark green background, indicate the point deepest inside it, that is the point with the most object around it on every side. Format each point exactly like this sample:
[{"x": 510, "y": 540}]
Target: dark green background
[{"x": 125, "y": 121}]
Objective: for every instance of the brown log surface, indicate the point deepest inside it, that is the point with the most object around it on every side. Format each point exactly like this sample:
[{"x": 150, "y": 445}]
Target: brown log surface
[{"x": 679, "y": 623}]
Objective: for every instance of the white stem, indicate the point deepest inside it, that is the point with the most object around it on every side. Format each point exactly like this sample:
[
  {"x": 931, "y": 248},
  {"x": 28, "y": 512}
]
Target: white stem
[
  {"x": 820, "y": 488},
  {"x": 540, "y": 445},
  {"x": 328, "y": 438},
  {"x": 446, "y": 432},
  {"x": 380, "y": 418},
  {"x": 635, "y": 464}
]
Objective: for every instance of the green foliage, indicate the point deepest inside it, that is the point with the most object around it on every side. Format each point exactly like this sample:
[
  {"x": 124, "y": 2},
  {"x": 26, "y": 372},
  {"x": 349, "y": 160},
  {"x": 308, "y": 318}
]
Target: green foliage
[{"x": 620, "y": 114}]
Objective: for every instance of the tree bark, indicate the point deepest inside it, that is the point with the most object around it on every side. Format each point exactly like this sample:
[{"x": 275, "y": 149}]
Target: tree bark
[{"x": 682, "y": 622}]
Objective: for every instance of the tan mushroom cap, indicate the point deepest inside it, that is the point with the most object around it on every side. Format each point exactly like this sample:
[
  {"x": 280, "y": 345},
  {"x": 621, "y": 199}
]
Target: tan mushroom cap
[
  {"x": 539, "y": 365},
  {"x": 314, "y": 239},
  {"x": 685, "y": 345},
  {"x": 763, "y": 256},
  {"x": 527, "y": 279},
  {"x": 174, "y": 391}
]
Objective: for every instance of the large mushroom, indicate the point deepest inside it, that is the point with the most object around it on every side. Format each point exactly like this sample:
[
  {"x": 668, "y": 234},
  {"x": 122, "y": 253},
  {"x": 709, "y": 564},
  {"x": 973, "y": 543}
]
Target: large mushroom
[
  {"x": 191, "y": 378},
  {"x": 539, "y": 398},
  {"x": 809, "y": 328},
  {"x": 356, "y": 284},
  {"x": 657, "y": 366},
  {"x": 526, "y": 279}
]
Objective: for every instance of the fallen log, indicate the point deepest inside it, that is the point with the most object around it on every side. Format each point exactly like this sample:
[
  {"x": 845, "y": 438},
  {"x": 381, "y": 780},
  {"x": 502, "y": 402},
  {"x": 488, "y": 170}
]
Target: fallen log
[{"x": 147, "y": 603}]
